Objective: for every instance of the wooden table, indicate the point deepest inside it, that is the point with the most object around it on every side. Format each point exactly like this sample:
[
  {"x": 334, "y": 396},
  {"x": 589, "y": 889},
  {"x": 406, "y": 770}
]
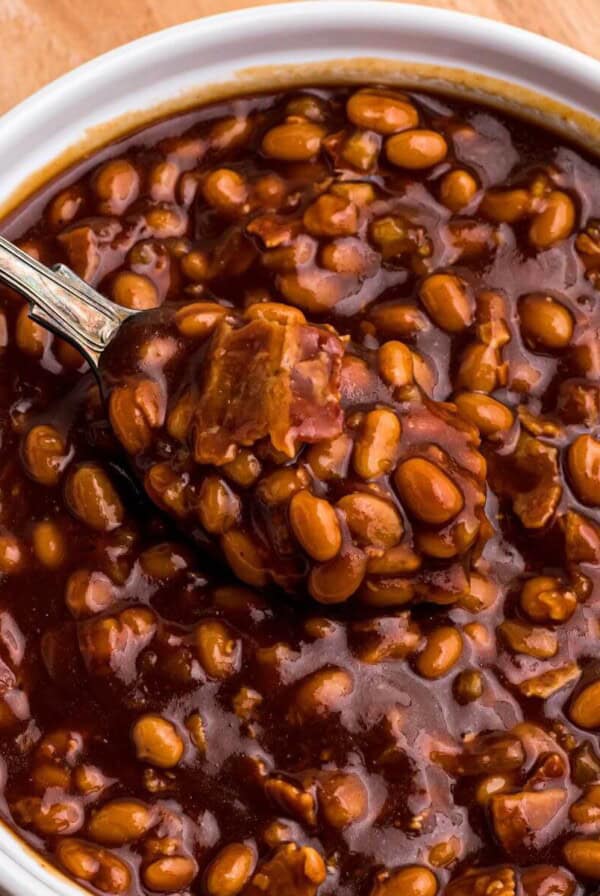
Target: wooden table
[{"x": 42, "y": 39}]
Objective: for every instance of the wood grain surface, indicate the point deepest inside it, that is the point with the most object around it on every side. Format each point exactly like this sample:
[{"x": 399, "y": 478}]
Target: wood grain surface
[{"x": 42, "y": 39}]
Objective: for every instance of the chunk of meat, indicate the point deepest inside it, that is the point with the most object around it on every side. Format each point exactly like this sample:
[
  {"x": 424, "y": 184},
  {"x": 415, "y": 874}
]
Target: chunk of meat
[
  {"x": 523, "y": 821},
  {"x": 495, "y": 752},
  {"x": 530, "y": 476},
  {"x": 484, "y": 882},
  {"x": 268, "y": 379},
  {"x": 292, "y": 871}
]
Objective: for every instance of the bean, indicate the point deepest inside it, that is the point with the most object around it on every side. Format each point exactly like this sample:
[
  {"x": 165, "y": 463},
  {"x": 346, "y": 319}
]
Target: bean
[
  {"x": 49, "y": 774},
  {"x": 229, "y": 132},
  {"x": 270, "y": 191},
  {"x": 490, "y": 416},
  {"x": 119, "y": 822},
  {"x": 157, "y": 741},
  {"x": 163, "y": 561},
  {"x": 329, "y": 458},
  {"x": 218, "y": 650},
  {"x": 44, "y": 454},
  {"x": 387, "y": 592},
  {"x": 381, "y": 111},
  {"x": 67, "y": 355},
  {"x": 166, "y": 221},
  {"x": 399, "y": 560},
  {"x": 372, "y": 520},
  {"x": 289, "y": 253},
  {"x": 401, "y": 320},
  {"x": 65, "y": 207},
  {"x": 506, "y": 206},
  {"x": 198, "y": 320},
  {"x": 412, "y": 880},
  {"x": 376, "y": 448},
  {"x": 555, "y": 223},
  {"x": 416, "y": 149},
  {"x": 88, "y": 593},
  {"x": 429, "y": 494},
  {"x": 244, "y": 469},
  {"x": 167, "y": 489},
  {"x": 545, "y": 323},
  {"x": 586, "y": 810},
  {"x": 320, "y": 694},
  {"x": 315, "y": 524},
  {"x": 135, "y": 409},
  {"x": 478, "y": 370},
  {"x": 135, "y": 291},
  {"x": 230, "y": 870},
  {"x": 162, "y": 181},
  {"x": 331, "y": 216},
  {"x": 448, "y": 302},
  {"x": 337, "y": 580},
  {"x": 94, "y": 865},
  {"x": 170, "y": 874},
  {"x": 280, "y": 486},
  {"x": 49, "y": 544},
  {"x": 226, "y": 191},
  {"x": 583, "y": 462},
  {"x": 585, "y": 707},
  {"x": 442, "y": 651},
  {"x": 117, "y": 185},
  {"x": 195, "y": 265},
  {"x": 50, "y": 816},
  {"x": 583, "y": 856},
  {"x": 245, "y": 556},
  {"x": 293, "y": 141},
  {"x": 92, "y": 498},
  {"x": 458, "y": 189},
  {"x": 62, "y": 743},
  {"x": 343, "y": 798},
  {"x": 425, "y": 374},
  {"x": 361, "y": 150},
  {"x": 541, "y": 643},
  {"x": 479, "y": 635},
  {"x": 313, "y": 289},
  {"x": 543, "y": 599},
  {"x": 307, "y": 106},
  {"x": 444, "y": 853},
  {"x": 89, "y": 780},
  {"x": 219, "y": 508},
  {"x": 468, "y": 686},
  {"x": 395, "y": 362}
]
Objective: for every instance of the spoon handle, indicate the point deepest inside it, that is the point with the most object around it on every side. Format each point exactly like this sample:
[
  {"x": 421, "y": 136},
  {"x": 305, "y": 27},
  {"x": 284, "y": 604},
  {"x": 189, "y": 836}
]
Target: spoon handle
[{"x": 62, "y": 302}]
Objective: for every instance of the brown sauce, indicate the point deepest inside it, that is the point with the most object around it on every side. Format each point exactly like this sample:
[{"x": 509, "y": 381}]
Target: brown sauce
[{"x": 402, "y": 696}]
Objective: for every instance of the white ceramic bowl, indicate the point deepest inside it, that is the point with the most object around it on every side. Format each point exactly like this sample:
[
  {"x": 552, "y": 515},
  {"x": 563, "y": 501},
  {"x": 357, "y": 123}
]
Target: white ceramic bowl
[{"x": 323, "y": 40}]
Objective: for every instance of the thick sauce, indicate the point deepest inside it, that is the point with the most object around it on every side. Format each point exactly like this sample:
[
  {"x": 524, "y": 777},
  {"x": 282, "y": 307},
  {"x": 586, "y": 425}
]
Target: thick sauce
[{"x": 369, "y": 376}]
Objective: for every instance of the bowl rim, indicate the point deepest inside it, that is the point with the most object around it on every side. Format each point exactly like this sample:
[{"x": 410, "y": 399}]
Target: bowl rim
[
  {"x": 22, "y": 869},
  {"x": 511, "y": 37}
]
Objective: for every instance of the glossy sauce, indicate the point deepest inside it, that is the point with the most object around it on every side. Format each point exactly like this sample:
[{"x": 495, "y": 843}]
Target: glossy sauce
[{"x": 434, "y": 728}]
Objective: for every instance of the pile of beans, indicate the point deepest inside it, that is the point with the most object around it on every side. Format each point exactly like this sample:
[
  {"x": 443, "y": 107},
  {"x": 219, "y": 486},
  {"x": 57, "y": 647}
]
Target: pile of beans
[
  {"x": 368, "y": 379},
  {"x": 315, "y": 468}
]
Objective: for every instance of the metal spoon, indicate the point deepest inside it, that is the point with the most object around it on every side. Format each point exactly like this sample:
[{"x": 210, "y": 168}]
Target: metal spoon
[{"x": 62, "y": 302}]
